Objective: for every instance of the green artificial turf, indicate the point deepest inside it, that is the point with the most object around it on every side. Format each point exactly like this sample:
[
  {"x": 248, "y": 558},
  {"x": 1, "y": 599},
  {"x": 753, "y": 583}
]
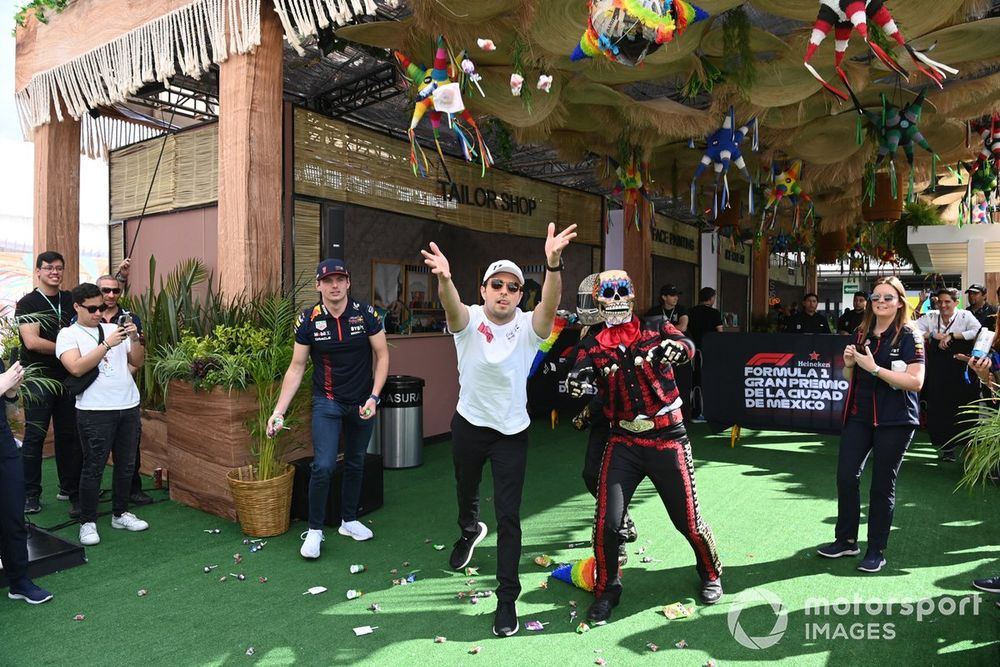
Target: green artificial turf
[{"x": 770, "y": 501}]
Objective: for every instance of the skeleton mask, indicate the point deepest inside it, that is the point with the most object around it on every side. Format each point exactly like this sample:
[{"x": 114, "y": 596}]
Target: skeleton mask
[
  {"x": 614, "y": 294},
  {"x": 586, "y": 304}
]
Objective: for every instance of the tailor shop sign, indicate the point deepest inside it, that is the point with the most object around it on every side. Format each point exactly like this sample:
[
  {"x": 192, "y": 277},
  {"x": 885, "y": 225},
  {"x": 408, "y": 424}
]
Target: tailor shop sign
[
  {"x": 508, "y": 202},
  {"x": 674, "y": 239}
]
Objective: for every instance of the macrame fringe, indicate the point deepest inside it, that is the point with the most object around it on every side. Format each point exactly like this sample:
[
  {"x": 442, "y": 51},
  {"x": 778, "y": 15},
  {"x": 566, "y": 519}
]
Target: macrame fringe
[
  {"x": 186, "y": 41},
  {"x": 99, "y": 136},
  {"x": 305, "y": 18}
]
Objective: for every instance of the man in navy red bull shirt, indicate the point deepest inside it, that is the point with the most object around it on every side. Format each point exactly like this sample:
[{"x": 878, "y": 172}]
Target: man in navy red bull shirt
[{"x": 339, "y": 334}]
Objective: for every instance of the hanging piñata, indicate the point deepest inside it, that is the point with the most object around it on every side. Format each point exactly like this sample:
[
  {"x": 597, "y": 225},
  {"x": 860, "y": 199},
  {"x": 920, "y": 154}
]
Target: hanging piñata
[
  {"x": 895, "y": 128},
  {"x": 785, "y": 186},
  {"x": 626, "y": 31},
  {"x": 637, "y": 204},
  {"x": 990, "y": 134},
  {"x": 845, "y": 16},
  {"x": 439, "y": 95},
  {"x": 722, "y": 148}
]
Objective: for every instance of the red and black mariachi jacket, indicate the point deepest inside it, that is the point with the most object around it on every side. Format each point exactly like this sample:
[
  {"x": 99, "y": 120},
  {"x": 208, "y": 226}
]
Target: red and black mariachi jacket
[{"x": 632, "y": 389}]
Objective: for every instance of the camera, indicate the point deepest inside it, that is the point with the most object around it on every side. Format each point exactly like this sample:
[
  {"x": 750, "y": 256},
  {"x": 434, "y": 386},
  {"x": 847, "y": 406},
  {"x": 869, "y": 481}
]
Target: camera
[{"x": 124, "y": 318}]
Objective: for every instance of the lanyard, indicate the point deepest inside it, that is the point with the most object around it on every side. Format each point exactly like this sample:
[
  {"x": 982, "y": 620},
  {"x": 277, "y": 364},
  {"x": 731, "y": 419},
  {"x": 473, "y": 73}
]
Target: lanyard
[
  {"x": 84, "y": 329},
  {"x": 57, "y": 311},
  {"x": 954, "y": 316}
]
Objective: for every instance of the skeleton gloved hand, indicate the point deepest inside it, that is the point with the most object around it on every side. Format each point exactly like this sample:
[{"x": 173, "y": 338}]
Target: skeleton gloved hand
[
  {"x": 582, "y": 420},
  {"x": 581, "y": 382},
  {"x": 668, "y": 352}
]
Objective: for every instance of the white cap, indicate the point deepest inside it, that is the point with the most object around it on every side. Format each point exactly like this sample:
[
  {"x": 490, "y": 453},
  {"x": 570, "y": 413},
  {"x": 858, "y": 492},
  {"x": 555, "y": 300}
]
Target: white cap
[{"x": 503, "y": 266}]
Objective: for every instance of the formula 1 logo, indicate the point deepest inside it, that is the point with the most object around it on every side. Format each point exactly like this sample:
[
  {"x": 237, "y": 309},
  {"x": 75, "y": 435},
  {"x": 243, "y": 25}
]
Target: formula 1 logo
[{"x": 770, "y": 358}]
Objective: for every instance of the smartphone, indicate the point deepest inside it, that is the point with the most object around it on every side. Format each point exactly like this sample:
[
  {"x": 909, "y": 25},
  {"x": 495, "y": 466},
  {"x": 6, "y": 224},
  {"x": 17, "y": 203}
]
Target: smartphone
[
  {"x": 124, "y": 318},
  {"x": 859, "y": 348}
]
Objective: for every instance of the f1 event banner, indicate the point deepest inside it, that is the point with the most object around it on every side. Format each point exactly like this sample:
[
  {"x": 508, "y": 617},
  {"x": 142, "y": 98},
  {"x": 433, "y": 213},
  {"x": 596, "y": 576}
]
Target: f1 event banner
[{"x": 780, "y": 382}]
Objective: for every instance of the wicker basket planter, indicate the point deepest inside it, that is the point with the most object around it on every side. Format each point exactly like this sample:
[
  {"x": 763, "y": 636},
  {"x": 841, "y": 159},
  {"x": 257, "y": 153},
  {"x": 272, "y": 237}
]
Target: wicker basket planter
[{"x": 264, "y": 508}]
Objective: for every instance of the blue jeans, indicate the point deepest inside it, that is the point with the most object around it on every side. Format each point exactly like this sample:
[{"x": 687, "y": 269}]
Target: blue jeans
[
  {"x": 103, "y": 432},
  {"x": 329, "y": 418}
]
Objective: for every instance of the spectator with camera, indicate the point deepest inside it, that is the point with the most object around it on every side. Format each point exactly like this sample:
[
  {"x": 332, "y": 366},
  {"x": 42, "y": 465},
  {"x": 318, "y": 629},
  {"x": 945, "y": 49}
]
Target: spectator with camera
[
  {"x": 41, "y": 314},
  {"x": 13, "y": 532},
  {"x": 98, "y": 357}
]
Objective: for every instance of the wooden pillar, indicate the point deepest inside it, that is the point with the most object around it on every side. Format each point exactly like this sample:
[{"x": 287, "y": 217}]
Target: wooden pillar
[
  {"x": 812, "y": 277},
  {"x": 250, "y": 165},
  {"x": 57, "y": 194},
  {"x": 759, "y": 280},
  {"x": 637, "y": 260}
]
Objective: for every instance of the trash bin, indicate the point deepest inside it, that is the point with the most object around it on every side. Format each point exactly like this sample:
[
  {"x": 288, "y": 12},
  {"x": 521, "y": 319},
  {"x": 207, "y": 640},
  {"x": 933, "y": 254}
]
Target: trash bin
[{"x": 402, "y": 422}]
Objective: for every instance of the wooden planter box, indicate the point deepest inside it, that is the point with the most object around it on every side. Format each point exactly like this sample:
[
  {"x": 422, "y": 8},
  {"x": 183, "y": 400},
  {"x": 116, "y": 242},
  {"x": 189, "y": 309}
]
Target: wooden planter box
[
  {"x": 154, "y": 443},
  {"x": 207, "y": 439}
]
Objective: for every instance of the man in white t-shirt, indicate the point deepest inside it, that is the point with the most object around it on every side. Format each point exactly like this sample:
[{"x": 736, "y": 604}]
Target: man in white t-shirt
[
  {"x": 107, "y": 410},
  {"x": 496, "y": 343}
]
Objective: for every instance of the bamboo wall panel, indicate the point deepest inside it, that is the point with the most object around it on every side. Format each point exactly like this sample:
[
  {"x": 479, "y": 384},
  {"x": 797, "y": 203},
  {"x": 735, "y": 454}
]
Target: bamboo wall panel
[
  {"x": 116, "y": 244},
  {"x": 306, "y": 257},
  {"x": 340, "y": 162}
]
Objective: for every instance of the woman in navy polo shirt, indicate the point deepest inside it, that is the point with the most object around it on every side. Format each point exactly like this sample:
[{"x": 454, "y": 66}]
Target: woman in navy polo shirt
[
  {"x": 339, "y": 334},
  {"x": 886, "y": 370}
]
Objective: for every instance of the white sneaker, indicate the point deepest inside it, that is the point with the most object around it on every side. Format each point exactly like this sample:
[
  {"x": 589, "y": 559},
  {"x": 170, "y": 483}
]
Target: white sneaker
[
  {"x": 62, "y": 496},
  {"x": 88, "y": 534},
  {"x": 310, "y": 546},
  {"x": 355, "y": 529},
  {"x": 129, "y": 521}
]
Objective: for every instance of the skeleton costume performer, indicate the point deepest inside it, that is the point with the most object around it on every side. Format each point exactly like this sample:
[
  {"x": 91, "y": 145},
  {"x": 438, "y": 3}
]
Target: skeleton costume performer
[{"x": 632, "y": 370}]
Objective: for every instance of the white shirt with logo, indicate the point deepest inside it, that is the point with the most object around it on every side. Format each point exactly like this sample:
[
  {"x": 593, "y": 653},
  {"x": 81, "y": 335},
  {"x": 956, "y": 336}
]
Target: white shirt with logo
[
  {"x": 493, "y": 365},
  {"x": 114, "y": 388}
]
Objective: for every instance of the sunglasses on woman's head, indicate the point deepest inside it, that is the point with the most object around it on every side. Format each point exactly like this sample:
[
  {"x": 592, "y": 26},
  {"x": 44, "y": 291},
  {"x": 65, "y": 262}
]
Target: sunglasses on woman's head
[
  {"x": 498, "y": 285},
  {"x": 94, "y": 309},
  {"x": 888, "y": 298},
  {"x": 111, "y": 290}
]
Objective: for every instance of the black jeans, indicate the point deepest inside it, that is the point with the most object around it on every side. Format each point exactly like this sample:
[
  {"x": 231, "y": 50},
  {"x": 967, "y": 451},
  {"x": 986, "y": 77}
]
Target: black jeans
[
  {"x": 60, "y": 409},
  {"x": 101, "y": 432},
  {"x": 628, "y": 459},
  {"x": 13, "y": 535},
  {"x": 508, "y": 456},
  {"x": 887, "y": 444}
]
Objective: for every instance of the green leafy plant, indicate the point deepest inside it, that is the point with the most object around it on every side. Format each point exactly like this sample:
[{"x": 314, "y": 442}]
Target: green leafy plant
[
  {"x": 737, "y": 55},
  {"x": 39, "y": 8},
  {"x": 982, "y": 437}
]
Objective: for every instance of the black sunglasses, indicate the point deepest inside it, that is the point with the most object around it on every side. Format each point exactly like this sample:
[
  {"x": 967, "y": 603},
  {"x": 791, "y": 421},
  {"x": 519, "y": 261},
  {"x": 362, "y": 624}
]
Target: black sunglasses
[
  {"x": 498, "y": 285},
  {"x": 94, "y": 309},
  {"x": 111, "y": 290}
]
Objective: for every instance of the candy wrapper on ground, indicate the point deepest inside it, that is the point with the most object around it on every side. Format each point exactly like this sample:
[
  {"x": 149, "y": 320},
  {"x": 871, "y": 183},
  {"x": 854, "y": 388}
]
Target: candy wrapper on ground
[
  {"x": 676, "y": 611},
  {"x": 582, "y": 573}
]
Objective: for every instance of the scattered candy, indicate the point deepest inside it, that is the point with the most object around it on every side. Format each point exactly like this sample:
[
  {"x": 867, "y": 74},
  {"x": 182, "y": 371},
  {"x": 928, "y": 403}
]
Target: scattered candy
[
  {"x": 461, "y": 595},
  {"x": 438, "y": 547},
  {"x": 711, "y": 663},
  {"x": 470, "y": 582},
  {"x": 262, "y": 580},
  {"x": 237, "y": 559},
  {"x": 535, "y": 626},
  {"x": 209, "y": 568},
  {"x": 646, "y": 559},
  {"x": 572, "y": 603},
  {"x": 474, "y": 601},
  {"x": 600, "y": 661},
  {"x": 222, "y": 578},
  {"x": 544, "y": 584},
  {"x": 471, "y": 571},
  {"x": 583, "y": 627},
  {"x": 251, "y": 651},
  {"x": 652, "y": 647},
  {"x": 641, "y": 550},
  {"x": 439, "y": 640},
  {"x": 406, "y": 563},
  {"x": 79, "y": 617},
  {"x": 393, "y": 571},
  {"x": 676, "y": 610},
  {"x": 240, "y": 576},
  {"x": 353, "y": 594},
  {"x": 355, "y": 569},
  {"x": 681, "y": 644},
  {"x": 486, "y": 44},
  {"x": 475, "y": 650},
  {"x": 315, "y": 590},
  {"x": 374, "y": 607},
  {"x": 142, "y": 592},
  {"x": 574, "y": 545},
  {"x": 543, "y": 561},
  {"x": 213, "y": 531},
  {"x": 572, "y": 616},
  {"x": 365, "y": 630},
  {"x": 427, "y": 540}
]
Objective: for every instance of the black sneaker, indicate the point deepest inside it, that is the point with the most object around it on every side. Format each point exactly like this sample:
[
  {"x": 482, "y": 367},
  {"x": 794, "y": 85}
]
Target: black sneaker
[
  {"x": 872, "y": 562},
  {"x": 628, "y": 527},
  {"x": 505, "y": 622},
  {"x": 461, "y": 554},
  {"x": 948, "y": 457},
  {"x": 711, "y": 591},
  {"x": 74, "y": 509},
  {"x": 31, "y": 505},
  {"x": 838, "y": 549},
  {"x": 140, "y": 498},
  {"x": 991, "y": 585},
  {"x": 600, "y": 612}
]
